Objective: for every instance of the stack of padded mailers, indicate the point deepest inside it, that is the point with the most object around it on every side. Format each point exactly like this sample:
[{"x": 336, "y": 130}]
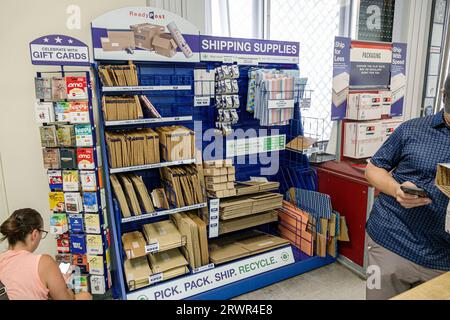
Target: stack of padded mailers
[
  {"x": 133, "y": 148},
  {"x": 118, "y": 75},
  {"x": 182, "y": 185},
  {"x": 132, "y": 194},
  {"x": 121, "y": 108}
]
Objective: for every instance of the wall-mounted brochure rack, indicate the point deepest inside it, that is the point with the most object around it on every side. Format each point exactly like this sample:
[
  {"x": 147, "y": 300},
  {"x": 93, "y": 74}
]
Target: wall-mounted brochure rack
[
  {"x": 179, "y": 86},
  {"x": 72, "y": 156}
]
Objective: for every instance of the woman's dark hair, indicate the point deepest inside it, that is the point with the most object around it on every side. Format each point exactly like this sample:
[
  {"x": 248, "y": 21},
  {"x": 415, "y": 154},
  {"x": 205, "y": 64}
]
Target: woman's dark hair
[{"x": 21, "y": 223}]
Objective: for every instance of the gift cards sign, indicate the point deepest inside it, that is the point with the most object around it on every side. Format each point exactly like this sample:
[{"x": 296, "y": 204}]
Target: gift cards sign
[{"x": 58, "y": 49}]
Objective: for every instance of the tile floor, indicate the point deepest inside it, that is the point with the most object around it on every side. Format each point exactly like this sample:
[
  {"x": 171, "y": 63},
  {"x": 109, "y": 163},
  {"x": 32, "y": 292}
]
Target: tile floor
[{"x": 332, "y": 282}]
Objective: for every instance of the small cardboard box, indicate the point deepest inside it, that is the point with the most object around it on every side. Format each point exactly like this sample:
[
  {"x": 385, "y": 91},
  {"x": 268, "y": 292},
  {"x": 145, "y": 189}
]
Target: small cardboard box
[
  {"x": 165, "y": 45},
  {"x": 231, "y": 170},
  {"x": 231, "y": 178},
  {"x": 165, "y": 261},
  {"x": 134, "y": 244},
  {"x": 443, "y": 178},
  {"x": 215, "y": 172},
  {"x": 144, "y": 34},
  {"x": 216, "y": 179},
  {"x": 118, "y": 41},
  {"x": 362, "y": 140},
  {"x": 165, "y": 233},
  {"x": 137, "y": 272},
  {"x": 364, "y": 106},
  {"x": 217, "y": 186}
]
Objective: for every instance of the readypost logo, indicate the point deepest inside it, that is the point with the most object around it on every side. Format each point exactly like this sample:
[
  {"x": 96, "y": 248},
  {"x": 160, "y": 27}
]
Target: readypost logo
[{"x": 152, "y": 15}]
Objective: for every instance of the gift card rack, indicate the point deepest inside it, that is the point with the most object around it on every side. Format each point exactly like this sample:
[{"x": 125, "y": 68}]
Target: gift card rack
[{"x": 98, "y": 276}]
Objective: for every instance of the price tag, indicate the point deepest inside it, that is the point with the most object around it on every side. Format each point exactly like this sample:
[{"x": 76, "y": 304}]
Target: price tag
[
  {"x": 203, "y": 268},
  {"x": 228, "y": 60},
  {"x": 214, "y": 218},
  {"x": 156, "y": 278},
  {"x": 202, "y": 101},
  {"x": 152, "y": 247}
]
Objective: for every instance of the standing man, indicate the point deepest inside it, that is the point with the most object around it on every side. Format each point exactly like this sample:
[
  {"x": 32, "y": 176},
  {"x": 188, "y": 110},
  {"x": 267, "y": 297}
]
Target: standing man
[{"x": 407, "y": 242}]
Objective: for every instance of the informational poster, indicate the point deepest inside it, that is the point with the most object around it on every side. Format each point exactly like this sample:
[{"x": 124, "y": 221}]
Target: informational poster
[
  {"x": 60, "y": 50},
  {"x": 144, "y": 34},
  {"x": 370, "y": 65},
  {"x": 220, "y": 276},
  {"x": 398, "y": 78},
  {"x": 341, "y": 77},
  {"x": 248, "y": 51}
]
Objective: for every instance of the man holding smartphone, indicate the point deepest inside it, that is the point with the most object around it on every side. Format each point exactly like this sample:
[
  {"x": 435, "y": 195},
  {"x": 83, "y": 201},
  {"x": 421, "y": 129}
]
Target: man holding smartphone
[{"x": 407, "y": 242}]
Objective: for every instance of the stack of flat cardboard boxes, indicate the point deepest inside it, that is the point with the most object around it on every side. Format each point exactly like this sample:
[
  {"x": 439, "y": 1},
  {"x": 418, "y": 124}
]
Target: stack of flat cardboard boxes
[{"x": 220, "y": 176}]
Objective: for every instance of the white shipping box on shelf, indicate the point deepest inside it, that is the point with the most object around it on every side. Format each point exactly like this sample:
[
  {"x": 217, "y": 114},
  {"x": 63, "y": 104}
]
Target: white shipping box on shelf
[
  {"x": 388, "y": 127},
  {"x": 362, "y": 139},
  {"x": 340, "y": 88},
  {"x": 364, "y": 106}
]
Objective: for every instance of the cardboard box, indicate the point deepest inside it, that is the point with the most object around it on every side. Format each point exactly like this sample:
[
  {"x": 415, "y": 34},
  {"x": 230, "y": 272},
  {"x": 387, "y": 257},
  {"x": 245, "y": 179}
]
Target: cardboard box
[
  {"x": 443, "y": 178},
  {"x": 216, "y": 179},
  {"x": 388, "y": 127},
  {"x": 165, "y": 261},
  {"x": 340, "y": 88},
  {"x": 364, "y": 106},
  {"x": 215, "y": 172},
  {"x": 137, "y": 273},
  {"x": 218, "y": 163},
  {"x": 165, "y": 233},
  {"x": 231, "y": 177},
  {"x": 177, "y": 143},
  {"x": 247, "y": 222},
  {"x": 237, "y": 246},
  {"x": 218, "y": 186},
  {"x": 134, "y": 244},
  {"x": 301, "y": 143},
  {"x": 231, "y": 170},
  {"x": 245, "y": 206},
  {"x": 118, "y": 41},
  {"x": 144, "y": 34},
  {"x": 223, "y": 193},
  {"x": 362, "y": 140},
  {"x": 165, "y": 45}
]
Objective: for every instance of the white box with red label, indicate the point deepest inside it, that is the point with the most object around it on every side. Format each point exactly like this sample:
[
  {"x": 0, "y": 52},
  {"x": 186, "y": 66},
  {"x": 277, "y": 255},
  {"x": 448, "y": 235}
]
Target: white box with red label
[
  {"x": 388, "y": 127},
  {"x": 364, "y": 106},
  {"x": 362, "y": 139}
]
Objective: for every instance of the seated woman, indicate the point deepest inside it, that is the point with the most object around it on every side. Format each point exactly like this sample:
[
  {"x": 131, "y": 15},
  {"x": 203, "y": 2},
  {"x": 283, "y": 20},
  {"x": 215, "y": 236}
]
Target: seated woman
[{"x": 25, "y": 275}]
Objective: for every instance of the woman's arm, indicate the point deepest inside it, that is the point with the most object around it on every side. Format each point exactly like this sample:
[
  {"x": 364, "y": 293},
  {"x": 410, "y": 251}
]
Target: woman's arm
[{"x": 52, "y": 277}]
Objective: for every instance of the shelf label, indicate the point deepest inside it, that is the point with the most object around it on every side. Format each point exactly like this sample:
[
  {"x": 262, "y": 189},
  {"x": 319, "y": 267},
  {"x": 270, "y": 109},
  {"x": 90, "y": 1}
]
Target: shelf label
[
  {"x": 214, "y": 218},
  {"x": 215, "y": 278},
  {"x": 152, "y": 247},
  {"x": 202, "y": 101},
  {"x": 156, "y": 278},
  {"x": 203, "y": 268},
  {"x": 281, "y": 104},
  {"x": 241, "y": 147}
]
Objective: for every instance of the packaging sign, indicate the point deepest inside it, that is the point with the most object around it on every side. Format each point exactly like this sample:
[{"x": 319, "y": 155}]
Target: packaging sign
[
  {"x": 58, "y": 49},
  {"x": 341, "y": 77},
  {"x": 370, "y": 65},
  {"x": 144, "y": 34},
  {"x": 217, "y": 277},
  {"x": 248, "y": 51},
  {"x": 242, "y": 147},
  {"x": 398, "y": 78}
]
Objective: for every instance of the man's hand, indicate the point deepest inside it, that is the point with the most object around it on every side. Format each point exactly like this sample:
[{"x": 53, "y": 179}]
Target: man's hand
[{"x": 409, "y": 201}]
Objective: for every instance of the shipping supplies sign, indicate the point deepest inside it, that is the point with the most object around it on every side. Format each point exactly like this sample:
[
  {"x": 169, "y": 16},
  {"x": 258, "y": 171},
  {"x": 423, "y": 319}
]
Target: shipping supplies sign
[
  {"x": 61, "y": 50},
  {"x": 370, "y": 65},
  {"x": 205, "y": 281},
  {"x": 144, "y": 34},
  {"x": 248, "y": 51},
  {"x": 341, "y": 77},
  {"x": 398, "y": 78}
]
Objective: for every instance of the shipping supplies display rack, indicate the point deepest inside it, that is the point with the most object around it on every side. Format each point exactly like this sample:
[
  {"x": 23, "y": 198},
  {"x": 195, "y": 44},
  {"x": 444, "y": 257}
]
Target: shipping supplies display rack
[
  {"x": 94, "y": 262},
  {"x": 170, "y": 87}
]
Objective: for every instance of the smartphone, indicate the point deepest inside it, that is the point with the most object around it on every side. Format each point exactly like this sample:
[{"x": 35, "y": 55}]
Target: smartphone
[{"x": 415, "y": 191}]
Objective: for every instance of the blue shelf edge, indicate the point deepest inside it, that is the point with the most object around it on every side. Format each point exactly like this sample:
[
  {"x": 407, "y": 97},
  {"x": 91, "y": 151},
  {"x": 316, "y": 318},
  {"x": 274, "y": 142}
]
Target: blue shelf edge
[{"x": 265, "y": 279}]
